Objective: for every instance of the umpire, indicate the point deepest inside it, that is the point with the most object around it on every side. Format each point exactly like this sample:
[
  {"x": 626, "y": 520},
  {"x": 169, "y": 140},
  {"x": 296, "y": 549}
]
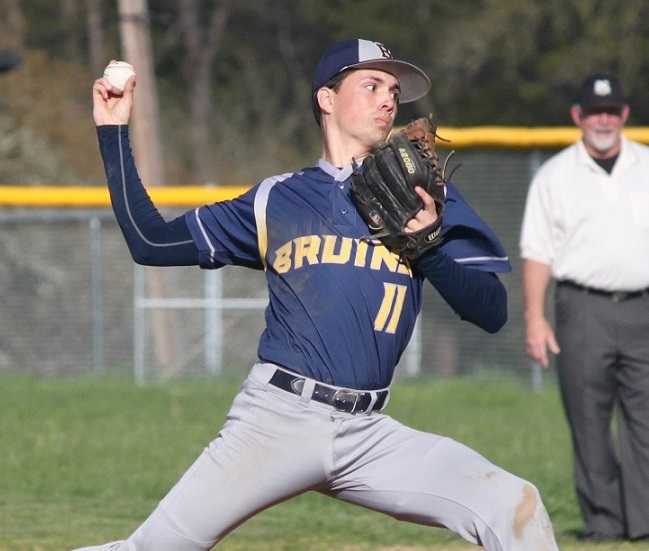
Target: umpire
[{"x": 586, "y": 225}]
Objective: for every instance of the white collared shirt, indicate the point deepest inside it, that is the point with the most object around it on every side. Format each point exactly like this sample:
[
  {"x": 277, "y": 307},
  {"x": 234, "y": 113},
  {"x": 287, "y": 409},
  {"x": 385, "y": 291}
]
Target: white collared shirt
[{"x": 589, "y": 226}]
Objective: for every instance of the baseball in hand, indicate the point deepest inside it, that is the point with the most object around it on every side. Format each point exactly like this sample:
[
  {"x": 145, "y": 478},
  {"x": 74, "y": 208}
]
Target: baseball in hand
[{"x": 117, "y": 73}]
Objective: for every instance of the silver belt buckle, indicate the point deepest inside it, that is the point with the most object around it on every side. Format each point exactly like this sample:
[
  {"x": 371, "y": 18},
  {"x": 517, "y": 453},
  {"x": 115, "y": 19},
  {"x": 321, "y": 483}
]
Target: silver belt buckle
[
  {"x": 297, "y": 385},
  {"x": 618, "y": 296},
  {"x": 342, "y": 397}
]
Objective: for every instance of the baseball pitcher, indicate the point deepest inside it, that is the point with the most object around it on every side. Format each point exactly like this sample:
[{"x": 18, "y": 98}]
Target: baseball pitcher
[{"x": 346, "y": 246}]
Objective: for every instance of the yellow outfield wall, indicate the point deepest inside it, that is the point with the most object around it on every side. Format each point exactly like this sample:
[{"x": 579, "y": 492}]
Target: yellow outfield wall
[
  {"x": 97, "y": 196},
  {"x": 523, "y": 137},
  {"x": 478, "y": 137}
]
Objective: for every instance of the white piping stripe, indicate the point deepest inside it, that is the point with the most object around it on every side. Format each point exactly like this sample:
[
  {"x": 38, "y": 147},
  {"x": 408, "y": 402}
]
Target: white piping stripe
[
  {"x": 482, "y": 259},
  {"x": 128, "y": 208},
  {"x": 261, "y": 202},
  {"x": 205, "y": 236}
]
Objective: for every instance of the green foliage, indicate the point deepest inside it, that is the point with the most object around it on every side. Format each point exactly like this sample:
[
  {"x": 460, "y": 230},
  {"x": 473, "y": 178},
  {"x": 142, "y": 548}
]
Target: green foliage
[
  {"x": 492, "y": 62},
  {"x": 47, "y": 131},
  {"x": 26, "y": 156},
  {"x": 520, "y": 62},
  {"x": 85, "y": 460}
]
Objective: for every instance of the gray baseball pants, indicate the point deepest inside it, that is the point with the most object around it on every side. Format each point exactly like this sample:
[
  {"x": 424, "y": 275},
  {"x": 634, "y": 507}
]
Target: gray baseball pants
[
  {"x": 276, "y": 445},
  {"x": 604, "y": 364}
]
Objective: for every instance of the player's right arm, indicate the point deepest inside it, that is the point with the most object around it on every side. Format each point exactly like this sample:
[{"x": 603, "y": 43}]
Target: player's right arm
[
  {"x": 539, "y": 336},
  {"x": 151, "y": 240},
  {"x": 110, "y": 108}
]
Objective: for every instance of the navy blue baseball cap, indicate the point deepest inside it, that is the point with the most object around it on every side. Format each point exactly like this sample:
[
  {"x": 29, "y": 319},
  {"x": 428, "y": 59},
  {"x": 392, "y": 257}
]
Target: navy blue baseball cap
[
  {"x": 366, "y": 54},
  {"x": 601, "y": 90}
]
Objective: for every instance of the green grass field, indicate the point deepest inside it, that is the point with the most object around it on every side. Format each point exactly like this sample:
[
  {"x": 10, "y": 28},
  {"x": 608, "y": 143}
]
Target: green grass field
[{"x": 84, "y": 460}]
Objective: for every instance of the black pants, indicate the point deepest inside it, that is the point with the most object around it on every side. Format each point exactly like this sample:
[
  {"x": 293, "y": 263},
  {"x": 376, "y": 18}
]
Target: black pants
[{"x": 604, "y": 366}]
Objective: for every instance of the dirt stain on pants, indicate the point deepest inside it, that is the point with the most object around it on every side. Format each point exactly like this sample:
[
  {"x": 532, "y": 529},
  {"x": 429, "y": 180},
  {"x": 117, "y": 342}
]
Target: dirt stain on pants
[{"x": 525, "y": 510}]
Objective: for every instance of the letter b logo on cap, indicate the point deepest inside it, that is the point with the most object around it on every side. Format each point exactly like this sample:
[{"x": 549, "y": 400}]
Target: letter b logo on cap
[{"x": 384, "y": 51}]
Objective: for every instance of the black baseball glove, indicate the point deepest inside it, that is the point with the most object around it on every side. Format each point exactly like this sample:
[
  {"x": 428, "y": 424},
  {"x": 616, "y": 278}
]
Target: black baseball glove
[{"x": 383, "y": 188}]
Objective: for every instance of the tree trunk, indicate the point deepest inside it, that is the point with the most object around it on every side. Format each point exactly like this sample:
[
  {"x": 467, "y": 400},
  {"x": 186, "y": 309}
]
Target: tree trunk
[
  {"x": 136, "y": 44},
  {"x": 70, "y": 43},
  {"x": 95, "y": 26},
  {"x": 201, "y": 45},
  {"x": 13, "y": 27},
  {"x": 137, "y": 50}
]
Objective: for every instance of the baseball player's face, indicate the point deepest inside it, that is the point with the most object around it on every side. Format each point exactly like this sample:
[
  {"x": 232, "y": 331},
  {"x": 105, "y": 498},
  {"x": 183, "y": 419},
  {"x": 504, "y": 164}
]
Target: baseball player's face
[
  {"x": 364, "y": 107},
  {"x": 601, "y": 129}
]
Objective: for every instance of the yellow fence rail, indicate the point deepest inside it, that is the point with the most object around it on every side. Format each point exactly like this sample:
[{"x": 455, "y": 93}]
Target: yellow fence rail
[
  {"x": 479, "y": 137},
  {"x": 522, "y": 137},
  {"x": 85, "y": 196}
]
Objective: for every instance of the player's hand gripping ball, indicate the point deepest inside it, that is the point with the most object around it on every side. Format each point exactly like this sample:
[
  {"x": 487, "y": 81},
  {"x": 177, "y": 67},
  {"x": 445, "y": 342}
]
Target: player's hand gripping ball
[
  {"x": 117, "y": 73},
  {"x": 383, "y": 189}
]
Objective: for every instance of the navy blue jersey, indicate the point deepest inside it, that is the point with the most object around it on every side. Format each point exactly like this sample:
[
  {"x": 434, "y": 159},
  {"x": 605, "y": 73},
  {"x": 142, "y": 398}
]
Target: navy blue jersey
[{"x": 341, "y": 310}]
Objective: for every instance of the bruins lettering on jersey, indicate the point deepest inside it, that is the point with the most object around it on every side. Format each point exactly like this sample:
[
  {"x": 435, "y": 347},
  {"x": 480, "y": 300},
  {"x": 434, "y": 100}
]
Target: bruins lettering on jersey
[{"x": 334, "y": 249}]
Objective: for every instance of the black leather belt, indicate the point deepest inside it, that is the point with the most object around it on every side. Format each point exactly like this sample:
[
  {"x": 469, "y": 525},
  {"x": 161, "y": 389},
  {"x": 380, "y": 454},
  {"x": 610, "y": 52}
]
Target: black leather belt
[
  {"x": 342, "y": 399},
  {"x": 615, "y": 296}
]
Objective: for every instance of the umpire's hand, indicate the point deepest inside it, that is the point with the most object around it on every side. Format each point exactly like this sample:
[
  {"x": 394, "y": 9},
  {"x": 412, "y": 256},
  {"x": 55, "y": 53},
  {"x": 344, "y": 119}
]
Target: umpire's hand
[
  {"x": 539, "y": 338},
  {"x": 109, "y": 107}
]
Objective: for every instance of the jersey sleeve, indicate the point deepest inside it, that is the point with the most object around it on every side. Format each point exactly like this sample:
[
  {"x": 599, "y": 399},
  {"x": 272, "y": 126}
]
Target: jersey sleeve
[
  {"x": 468, "y": 239},
  {"x": 226, "y": 232},
  {"x": 536, "y": 241},
  {"x": 152, "y": 241}
]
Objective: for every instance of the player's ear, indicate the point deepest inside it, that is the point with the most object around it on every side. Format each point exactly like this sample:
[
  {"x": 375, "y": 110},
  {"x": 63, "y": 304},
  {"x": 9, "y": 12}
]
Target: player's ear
[{"x": 325, "y": 97}]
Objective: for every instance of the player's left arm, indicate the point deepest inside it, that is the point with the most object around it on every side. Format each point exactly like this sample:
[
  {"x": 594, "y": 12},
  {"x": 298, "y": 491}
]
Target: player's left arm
[{"x": 476, "y": 296}]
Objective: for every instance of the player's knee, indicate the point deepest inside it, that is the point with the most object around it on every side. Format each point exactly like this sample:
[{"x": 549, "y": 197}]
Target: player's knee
[
  {"x": 526, "y": 502},
  {"x": 524, "y": 523}
]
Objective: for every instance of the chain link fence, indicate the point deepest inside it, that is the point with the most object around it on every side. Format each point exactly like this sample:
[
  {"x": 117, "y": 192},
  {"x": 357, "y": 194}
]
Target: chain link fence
[{"x": 74, "y": 302}]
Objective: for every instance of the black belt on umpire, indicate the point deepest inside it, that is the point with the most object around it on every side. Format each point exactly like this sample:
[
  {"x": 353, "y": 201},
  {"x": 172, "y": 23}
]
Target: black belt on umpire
[
  {"x": 342, "y": 399},
  {"x": 615, "y": 296}
]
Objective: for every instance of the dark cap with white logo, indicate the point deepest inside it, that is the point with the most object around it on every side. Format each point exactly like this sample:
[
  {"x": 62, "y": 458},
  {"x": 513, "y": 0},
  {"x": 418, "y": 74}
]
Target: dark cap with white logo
[{"x": 601, "y": 90}]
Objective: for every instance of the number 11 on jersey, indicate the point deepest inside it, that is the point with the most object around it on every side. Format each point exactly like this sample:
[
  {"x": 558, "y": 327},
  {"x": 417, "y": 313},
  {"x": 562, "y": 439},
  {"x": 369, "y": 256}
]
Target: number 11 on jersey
[{"x": 391, "y": 307}]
